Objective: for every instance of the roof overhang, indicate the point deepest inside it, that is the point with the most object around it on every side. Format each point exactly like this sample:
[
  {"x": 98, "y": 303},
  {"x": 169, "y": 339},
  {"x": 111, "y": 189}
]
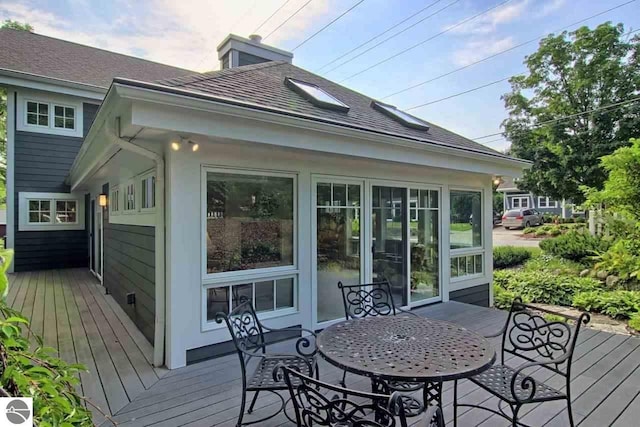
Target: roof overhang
[
  {"x": 50, "y": 84},
  {"x": 183, "y": 111}
]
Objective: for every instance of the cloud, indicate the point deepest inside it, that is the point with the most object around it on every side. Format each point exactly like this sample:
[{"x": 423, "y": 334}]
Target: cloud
[
  {"x": 549, "y": 8},
  {"x": 477, "y": 49},
  {"x": 489, "y": 22},
  {"x": 183, "y": 33}
]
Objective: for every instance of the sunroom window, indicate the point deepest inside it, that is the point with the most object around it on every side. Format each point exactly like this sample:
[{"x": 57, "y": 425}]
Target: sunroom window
[
  {"x": 249, "y": 221},
  {"x": 465, "y": 234},
  {"x": 148, "y": 193}
]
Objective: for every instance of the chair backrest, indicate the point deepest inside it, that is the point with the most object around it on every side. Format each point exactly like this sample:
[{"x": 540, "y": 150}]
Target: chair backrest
[
  {"x": 245, "y": 329},
  {"x": 527, "y": 334},
  {"x": 320, "y": 404},
  {"x": 372, "y": 299}
]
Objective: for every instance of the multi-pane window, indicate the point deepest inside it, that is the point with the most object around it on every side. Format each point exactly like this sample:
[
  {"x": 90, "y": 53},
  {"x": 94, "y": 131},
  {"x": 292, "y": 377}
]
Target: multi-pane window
[
  {"x": 249, "y": 222},
  {"x": 519, "y": 202},
  {"x": 37, "y": 113},
  {"x": 545, "y": 202},
  {"x": 114, "y": 200},
  {"x": 148, "y": 195},
  {"x": 467, "y": 265},
  {"x": 39, "y": 211},
  {"x": 64, "y": 117},
  {"x": 130, "y": 197},
  {"x": 66, "y": 211},
  {"x": 266, "y": 295},
  {"x": 466, "y": 219}
]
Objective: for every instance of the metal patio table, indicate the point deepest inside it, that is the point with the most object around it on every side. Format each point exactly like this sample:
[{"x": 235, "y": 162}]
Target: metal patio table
[{"x": 406, "y": 348}]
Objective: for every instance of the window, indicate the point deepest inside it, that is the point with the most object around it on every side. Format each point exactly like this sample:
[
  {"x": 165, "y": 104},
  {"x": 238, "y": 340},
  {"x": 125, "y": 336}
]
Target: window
[
  {"x": 249, "y": 221},
  {"x": 130, "y": 197},
  {"x": 519, "y": 202},
  {"x": 266, "y": 295},
  {"x": 468, "y": 265},
  {"x": 400, "y": 116},
  {"x": 466, "y": 219},
  {"x": 39, "y": 211},
  {"x": 114, "y": 200},
  {"x": 50, "y": 211},
  {"x": 64, "y": 117},
  {"x": 37, "y": 113},
  {"x": 316, "y": 95},
  {"x": 66, "y": 211},
  {"x": 545, "y": 202},
  {"x": 148, "y": 193}
]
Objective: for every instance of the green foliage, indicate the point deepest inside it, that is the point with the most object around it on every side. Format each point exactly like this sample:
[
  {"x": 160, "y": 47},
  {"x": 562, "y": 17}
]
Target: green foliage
[
  {"x": 31, "y": 370},
  {"x": 553, "y": 264},
  {"x": 502, "y": 298},
  {"x": 460, "y": 226},
  {"x": 543, "y": 286},
  {"x": 529, "y": 230},
  {"x": 17, "y": 25},
  {"x": 575, "y": 245},
  {"x": 569, "y": 74},
  {"x": 510, "y": 256},
  {"x": 622, "y": 259},
  {"x": 549, "y": 317},
  {"x": 618, "y": 304},
  {"x": 540, "y": 232},
  {"x": 634, "y": 322}
]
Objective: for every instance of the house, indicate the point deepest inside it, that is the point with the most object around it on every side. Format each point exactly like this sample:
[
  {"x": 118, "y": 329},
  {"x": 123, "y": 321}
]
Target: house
[
  {"x": 514, "y": 198},
  {"x": 184, "y": 192}
]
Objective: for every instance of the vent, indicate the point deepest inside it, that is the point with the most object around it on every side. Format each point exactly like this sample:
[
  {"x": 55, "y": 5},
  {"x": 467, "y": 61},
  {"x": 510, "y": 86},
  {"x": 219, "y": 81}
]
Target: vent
[
  {"x": 316, "y": 95},
  {"x": 400, "y": 116}
]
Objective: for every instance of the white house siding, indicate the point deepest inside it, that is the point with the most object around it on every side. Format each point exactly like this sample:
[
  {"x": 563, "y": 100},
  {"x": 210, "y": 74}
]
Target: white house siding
[{"x": 185, "y": 296}]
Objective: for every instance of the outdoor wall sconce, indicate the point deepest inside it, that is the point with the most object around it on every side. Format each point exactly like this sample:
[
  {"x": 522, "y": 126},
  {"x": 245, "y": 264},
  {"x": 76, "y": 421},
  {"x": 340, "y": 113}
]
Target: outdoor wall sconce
[
  {"x": 102, "y": 200},
  {"x": 177, "y": 144},
  {"x": 497, "y": 180}
]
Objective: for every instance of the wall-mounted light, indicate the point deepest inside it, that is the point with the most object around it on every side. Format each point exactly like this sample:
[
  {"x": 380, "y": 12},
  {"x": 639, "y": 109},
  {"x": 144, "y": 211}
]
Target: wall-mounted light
[
  {"x": 194, "y": 146},
  {"x": 102, "y": 200},
  {"x": 176, "y": 145},
  {"x": 497, "y": 180}
]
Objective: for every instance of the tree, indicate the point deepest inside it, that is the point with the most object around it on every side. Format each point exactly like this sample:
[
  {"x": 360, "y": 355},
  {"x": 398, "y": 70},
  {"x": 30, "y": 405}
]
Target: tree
[
  {"x": 16, "y": 25},
  {"x": 572, "y": 74}
]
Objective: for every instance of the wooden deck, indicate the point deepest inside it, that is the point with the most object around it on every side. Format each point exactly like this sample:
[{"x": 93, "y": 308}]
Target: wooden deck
[{"x": 70, "y": 310}]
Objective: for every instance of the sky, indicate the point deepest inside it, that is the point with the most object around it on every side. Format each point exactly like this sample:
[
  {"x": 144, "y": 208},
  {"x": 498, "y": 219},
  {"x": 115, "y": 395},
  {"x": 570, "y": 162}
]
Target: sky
[{"x": 185, "y": 33}]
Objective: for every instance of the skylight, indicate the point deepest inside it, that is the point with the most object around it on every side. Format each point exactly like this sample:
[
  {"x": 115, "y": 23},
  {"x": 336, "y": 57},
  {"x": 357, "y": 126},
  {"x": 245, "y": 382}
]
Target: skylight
[
  {"x": 316, "y": 95},
  {"x": 399, "y": 115}
]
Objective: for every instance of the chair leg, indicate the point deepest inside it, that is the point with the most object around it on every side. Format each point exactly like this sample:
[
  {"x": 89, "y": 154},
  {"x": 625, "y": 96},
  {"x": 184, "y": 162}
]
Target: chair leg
[
  {"x": 253, "y": 402},
  {"x": 242, "y": 404},
  {"x": 455, "y": 403},
  {"x": 343, "y": 383},
  {"x": 514, "y": 421},
  {"x": 570, "y": 411}
]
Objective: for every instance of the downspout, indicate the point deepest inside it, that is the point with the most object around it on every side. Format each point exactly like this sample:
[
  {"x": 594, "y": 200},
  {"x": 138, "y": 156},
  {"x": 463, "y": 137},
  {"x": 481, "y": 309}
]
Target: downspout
[{"x": 113, "y": 132}]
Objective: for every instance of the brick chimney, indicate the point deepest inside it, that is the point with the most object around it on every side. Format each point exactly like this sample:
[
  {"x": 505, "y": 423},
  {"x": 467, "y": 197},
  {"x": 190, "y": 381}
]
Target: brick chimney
[{"x": 236, "y": 51}]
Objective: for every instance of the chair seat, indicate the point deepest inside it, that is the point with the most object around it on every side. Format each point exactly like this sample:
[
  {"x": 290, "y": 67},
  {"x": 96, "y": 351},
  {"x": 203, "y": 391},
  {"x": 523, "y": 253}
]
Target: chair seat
[
  {"x": 262, "y": 378},
  {"x": 497, "y": 380}
]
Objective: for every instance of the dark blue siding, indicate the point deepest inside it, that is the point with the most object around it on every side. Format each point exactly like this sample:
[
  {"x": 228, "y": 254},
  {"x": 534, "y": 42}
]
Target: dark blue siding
[{"x": 477, "y": 295}]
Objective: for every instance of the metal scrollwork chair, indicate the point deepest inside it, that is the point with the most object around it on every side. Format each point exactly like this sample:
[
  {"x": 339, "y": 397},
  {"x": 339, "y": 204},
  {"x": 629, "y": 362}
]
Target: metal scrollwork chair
[
  {"x": 542, "y": 344},
  {"x": 247, "y": 334},
  {"x": 376, "y": 299},
  {"x": 320, "y": 404}
]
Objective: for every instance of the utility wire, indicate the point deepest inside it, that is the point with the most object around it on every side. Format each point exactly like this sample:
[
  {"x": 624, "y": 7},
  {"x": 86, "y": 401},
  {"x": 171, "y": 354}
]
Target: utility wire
[
  {"x": 287, "y": 20},
  {"x": 393, "y": 36},
  {"x": 486, "y": 58},
  {"x": 464, "y": 21},
  {"x": 271, "y": 16},
  {"x": 245, "y": 13},
  {"x": 328, "y": 25},
  {"x": 380, "y": 34},
  {"x": 570, "y": 116},
  {"x": 458, "y": 94}
]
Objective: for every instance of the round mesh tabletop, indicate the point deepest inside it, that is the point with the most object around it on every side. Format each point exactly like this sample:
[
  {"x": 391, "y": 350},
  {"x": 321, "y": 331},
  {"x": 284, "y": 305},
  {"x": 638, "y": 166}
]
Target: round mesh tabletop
[{"x": 405, "y": 348}]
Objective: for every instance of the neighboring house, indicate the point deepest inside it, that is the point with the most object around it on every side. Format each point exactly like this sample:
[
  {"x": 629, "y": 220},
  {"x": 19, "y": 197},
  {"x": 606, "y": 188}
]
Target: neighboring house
[
  {"x": 514, "y": 198},
  {"x": 261, "y": 180}
]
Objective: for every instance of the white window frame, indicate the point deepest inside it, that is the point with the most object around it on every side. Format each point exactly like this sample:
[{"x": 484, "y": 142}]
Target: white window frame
[
  {"x": 38, "y": 103},
  {"x": 129, "y": 185},
  {"x": 464, "y": 252},
  {"x": 23, "y": 204},
  {"x": 114, "y": 201},
  {"x": 547, "y": 202},
  {"x": 52, "y": 112},
  {"x": 520, "y": 199},
  {"x": 141, "y": 179},
  {"x": 467, "y": 276},
  {"x": 212, "y": 278},
  {"x": 51, "y": 100}
]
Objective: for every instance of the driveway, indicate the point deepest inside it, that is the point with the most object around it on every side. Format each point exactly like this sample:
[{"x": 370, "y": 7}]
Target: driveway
[{"x": 503, "y": 237}]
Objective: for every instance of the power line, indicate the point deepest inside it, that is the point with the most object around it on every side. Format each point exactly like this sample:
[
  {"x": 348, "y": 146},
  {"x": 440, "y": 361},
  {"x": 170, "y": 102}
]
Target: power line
[
  {"x": 486, "y": 58},
  {"x": 464, "y": 21},
  {"x": 570, "y": 116},
  {"x": 271, "y": 16},
  {"x": 494, "y": 140},
  {"x": 458, "y": 94},
  {"x": 380, "y": 34},
  {"x": 287, "y": 20},
  {"x": 245, "y": 13},
  {"x": 328, "y": 25},
  {"x": 393, "y": 36}
]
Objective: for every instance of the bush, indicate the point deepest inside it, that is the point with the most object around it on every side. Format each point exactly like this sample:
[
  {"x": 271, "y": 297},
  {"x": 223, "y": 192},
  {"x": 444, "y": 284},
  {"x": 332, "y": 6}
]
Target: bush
[
  {"x": 634, "y": 322},
  {"x": 502, "y": 298},
  {"x": 553, "y": 264},
  {"x": 621, "y": 259},
  {"x": 555, "y": 231},
  {"x": 543, "y": 286},
  {"x": 509, "y": 256},
  {"x": 529, "y": 230},
  {"x": 574, "y": 245},
  {"x": 617, "y": 304},
  {"x": 540, "y": 232}
]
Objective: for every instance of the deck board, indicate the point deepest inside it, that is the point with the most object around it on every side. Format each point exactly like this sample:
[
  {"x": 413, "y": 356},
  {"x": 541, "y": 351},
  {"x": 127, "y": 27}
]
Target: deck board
[{"x": 72, "y": 311}]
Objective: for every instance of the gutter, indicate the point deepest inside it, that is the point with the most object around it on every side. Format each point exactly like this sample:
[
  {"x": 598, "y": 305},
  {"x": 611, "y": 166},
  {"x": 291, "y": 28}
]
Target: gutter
[{"x": 113, "y": 133}]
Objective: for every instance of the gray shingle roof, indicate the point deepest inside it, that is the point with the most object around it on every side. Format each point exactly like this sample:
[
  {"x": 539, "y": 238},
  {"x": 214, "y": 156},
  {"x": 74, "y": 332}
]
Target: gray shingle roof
[
  {"x": 32, "y": 53},
  {"x": 263, "y": 84}
]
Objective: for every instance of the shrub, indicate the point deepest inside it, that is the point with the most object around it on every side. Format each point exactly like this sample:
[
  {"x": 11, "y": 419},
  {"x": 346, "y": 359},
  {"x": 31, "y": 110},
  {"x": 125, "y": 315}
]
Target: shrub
[
  {"x": 555, "y": 231},
  {"x": 617, "y": 304},
  {"x": 502, "y": 298},
  {"x": 540, "y": 232},
  {"x": 634, "y": 322},
  {"x": 509, "y": 256},
  {"x": 543, "y": 286},
  {"x": 554, "y": 264},
  {"x": 574, "y": 245},
  {"x": 621, "y": 259},
  {"x": 529, "y": 230}
]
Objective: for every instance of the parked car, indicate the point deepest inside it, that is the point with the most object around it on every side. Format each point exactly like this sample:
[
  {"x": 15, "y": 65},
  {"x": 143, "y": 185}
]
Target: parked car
[{"x": 521, "y": 218}]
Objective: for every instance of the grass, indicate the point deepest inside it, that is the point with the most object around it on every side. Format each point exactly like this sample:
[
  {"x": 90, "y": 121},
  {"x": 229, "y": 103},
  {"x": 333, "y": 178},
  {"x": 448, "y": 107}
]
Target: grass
[{"x": 460, "y": 226}]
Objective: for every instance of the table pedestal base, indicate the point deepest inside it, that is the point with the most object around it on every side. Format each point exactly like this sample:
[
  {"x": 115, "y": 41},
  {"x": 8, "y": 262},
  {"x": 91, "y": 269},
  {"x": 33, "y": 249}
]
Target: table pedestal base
[{"x": 431, "y": 395}]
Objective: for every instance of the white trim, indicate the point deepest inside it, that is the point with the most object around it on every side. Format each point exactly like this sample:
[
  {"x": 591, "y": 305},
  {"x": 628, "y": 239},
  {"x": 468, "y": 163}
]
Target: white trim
[
  {"x": 51, "y": 100},
  {"x": 25, "y": 225},
  {"x": 49, "y": 84},
  {"x": 117, "y": 198},
  {"x": 11, "y": 206},
  {"x": 548, "y": 204},
  {"x": 520, "y": 199},
  {"x": 211, "y": 278},
  {"x": 141, "y": 178},
  {"x": 472, "y": 249}
]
